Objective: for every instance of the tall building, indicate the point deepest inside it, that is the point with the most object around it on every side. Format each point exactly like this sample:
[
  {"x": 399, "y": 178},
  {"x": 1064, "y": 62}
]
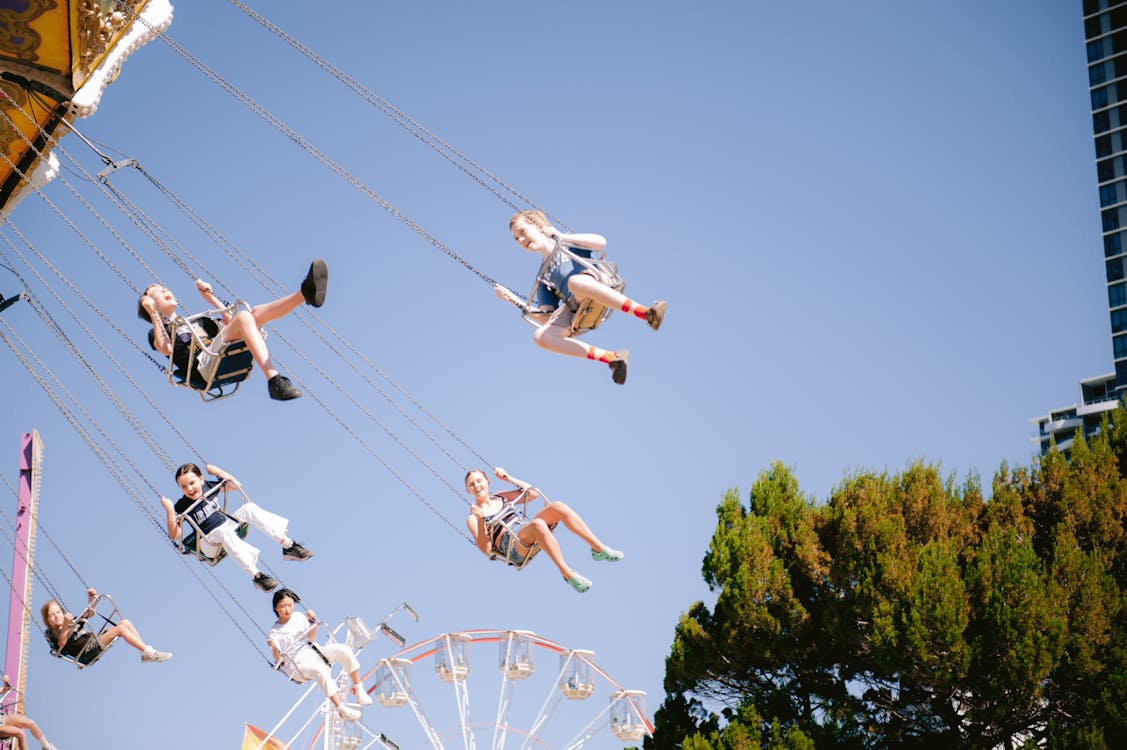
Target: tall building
[
  {"x": 1105, "y": 34},
  {"x": 1098, "y": 396},
  {"x": 1105, "y": 30}
]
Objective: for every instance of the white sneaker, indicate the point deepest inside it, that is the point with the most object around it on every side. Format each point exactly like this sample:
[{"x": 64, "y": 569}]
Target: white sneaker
[
  {"x": 347, "y": 713},
  {"x": 362, "y": 696},
  {"x": 151, "y": 654}
]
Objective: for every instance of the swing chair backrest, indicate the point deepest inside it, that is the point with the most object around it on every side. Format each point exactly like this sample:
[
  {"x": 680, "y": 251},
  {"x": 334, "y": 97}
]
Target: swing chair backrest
[
  {"x": 586, "y": 315},
  {"x": 84, "y": 645},
  {"x": 509, "y": 526},
  {"x": 229, "y": 366},
  {"x": 189, "y": 542}
]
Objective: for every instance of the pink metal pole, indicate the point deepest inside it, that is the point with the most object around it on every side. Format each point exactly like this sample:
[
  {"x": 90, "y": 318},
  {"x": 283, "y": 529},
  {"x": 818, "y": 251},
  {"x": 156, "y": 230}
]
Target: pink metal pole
[{"x": 15, "y": 656}]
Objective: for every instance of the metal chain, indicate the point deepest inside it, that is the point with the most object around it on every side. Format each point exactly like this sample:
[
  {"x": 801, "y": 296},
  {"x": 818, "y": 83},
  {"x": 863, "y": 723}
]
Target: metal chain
[
  {"x": 321, "y": 156},
  {"x": 43, "y": 530},
  {"x": 125, "y": 412},
  {"x": 9, "y": 533},
  {"x": 247, "y": 263},
  {"x": 405, "y": 121},
  {"x": 132, "y": 492},
  {"x": 379, "y": 459}
]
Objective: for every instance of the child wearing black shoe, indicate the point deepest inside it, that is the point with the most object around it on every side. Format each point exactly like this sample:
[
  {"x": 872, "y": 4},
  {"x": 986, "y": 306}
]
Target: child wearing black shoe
[
  {"x": 200, "y": 502},
  {"x": 564, "y": 283},
  {"x": 157, "y": 304}
]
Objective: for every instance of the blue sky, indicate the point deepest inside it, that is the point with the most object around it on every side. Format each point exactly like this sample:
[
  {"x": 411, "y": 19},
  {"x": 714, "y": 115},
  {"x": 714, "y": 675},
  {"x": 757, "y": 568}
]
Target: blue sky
[{"x": 877, "y": 228}]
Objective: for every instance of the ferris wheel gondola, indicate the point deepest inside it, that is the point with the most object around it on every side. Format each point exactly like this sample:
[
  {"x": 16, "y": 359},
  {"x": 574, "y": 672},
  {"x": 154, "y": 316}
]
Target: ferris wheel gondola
[{"x": 562, "y": 694}]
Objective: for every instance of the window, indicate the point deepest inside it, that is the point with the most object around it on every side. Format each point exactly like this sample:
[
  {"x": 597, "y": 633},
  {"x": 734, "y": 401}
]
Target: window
[
  {"x": 1109, "y": 194},
  {"x": 1101, "y": 121},
  {"x": 1105, "y": 169},
  {"x": 1118, "y": 321},
  {"x": 1113, "y": 245},
  {"x": 1103, "y": 146},
  {"x": 1091, "y": 6},
  {"x": 1096, "y": 74},
  {"x": 1093, "y": 27},
  {"x": 1099, "y": 97},
  {"x": 1114, "y": 269},
  {"x": 1110, "y": 219},
  {"x": 1119, "y": 345},
  {"x": 1120, "y": 372},
  {"x": 1117, "y": 295}
]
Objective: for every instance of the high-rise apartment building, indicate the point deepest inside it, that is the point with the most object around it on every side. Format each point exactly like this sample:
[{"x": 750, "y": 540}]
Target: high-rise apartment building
[
  {"x": 1105, "y": 31},
  {"x": 1105, "y": 34}
]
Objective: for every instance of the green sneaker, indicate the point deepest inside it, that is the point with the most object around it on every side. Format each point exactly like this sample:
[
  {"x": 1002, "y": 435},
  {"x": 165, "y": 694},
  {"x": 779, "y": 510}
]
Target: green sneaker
[
  {"x": 606, "y": 553},
  {"x": 578, "y": 582}
]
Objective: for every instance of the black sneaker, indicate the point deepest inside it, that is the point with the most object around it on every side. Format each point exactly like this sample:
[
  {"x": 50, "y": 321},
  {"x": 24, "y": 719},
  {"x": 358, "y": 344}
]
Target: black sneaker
[
  {"x": 265, "y": 582},
  {"x": 656, "y": 313},
  {"x": 296, "y": 552},
  {"x": 618, "y": 367},
  {"x": 281, "y": 389},
  {"x": 316, "y": 283}
]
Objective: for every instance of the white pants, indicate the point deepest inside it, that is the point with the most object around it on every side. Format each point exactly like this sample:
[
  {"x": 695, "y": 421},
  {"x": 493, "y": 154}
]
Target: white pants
[
  {"x": 226, "y": 537},
  {"x": 309, "y": 666}
]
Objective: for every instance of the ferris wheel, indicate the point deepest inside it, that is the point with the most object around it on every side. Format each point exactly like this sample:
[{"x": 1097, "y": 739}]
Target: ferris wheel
[{"x": 542, "y": 694}]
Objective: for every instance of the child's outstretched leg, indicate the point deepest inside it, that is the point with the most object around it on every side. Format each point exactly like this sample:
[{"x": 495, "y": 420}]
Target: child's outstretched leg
[
  {"x": 248, "y": 326},
  {"x": 21, "y": 722},
  {"x": 554, "y": 338},
  {"x": 128, "y": 632},
  {"x": 537, "y": 531},
  {"x": 584, "y": 286},
  {"x": 558, "y": 511}
]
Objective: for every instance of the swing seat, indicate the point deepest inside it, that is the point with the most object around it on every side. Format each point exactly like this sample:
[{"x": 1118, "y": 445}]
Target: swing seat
[
  {"x": 506, "y": 530},
  {"x": 189, "y": 542},
  {"x": 586, "y": 315},
  {"x": 84, "y": 646},
  {"x": 226, "y": 368}
]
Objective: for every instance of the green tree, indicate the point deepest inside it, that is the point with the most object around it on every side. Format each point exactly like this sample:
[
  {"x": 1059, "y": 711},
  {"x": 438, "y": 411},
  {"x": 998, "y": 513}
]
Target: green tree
[{"x": 908, "y": 611}]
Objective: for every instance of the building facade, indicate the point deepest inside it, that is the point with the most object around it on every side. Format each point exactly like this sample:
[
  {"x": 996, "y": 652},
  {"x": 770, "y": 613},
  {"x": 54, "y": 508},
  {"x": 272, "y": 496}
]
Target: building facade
[
  {"x": 1098, "y": 396},
  {"x": 1105, "y": 32}
]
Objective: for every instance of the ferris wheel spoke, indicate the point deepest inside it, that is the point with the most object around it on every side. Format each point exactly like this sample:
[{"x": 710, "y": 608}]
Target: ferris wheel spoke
[{"x": 601, "y": 720}]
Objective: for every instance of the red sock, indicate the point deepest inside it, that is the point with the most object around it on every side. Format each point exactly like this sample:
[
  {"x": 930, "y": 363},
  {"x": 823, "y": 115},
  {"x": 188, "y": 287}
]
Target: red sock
[
  {"x": 602, "y": 355},
  {"x": 632, "y": 307}
]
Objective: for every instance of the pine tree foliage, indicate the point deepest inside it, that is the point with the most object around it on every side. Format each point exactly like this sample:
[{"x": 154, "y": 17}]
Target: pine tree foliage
[{"x": 909, "y": 611}]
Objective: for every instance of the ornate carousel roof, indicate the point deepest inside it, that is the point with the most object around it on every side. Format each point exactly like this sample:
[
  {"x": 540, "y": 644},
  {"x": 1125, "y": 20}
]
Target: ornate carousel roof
[{"x": 56, "y": 58}]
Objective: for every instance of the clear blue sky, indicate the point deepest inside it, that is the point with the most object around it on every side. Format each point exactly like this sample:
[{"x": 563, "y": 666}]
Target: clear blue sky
[{"x": 876, "y": 225}]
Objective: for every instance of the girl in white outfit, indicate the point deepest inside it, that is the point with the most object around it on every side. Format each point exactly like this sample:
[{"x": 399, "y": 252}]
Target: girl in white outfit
[{"x": 293, "y": 641}]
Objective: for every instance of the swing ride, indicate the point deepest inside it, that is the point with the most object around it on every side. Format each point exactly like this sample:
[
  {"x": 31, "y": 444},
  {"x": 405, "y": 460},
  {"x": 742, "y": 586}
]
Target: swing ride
[{"x": 33, "y": 153}]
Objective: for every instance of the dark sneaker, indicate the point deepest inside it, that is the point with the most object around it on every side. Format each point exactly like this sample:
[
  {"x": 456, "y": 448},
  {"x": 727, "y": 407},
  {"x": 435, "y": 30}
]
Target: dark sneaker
[
  {"x": 656, "y": 313},
  {"x": 618, "y": 367},
  {"x": 296, "y": 552},
  {"x": 265, "y": 582},
  {"x": 281, "y": 389},
  {"x": 316, "y": 283}
]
